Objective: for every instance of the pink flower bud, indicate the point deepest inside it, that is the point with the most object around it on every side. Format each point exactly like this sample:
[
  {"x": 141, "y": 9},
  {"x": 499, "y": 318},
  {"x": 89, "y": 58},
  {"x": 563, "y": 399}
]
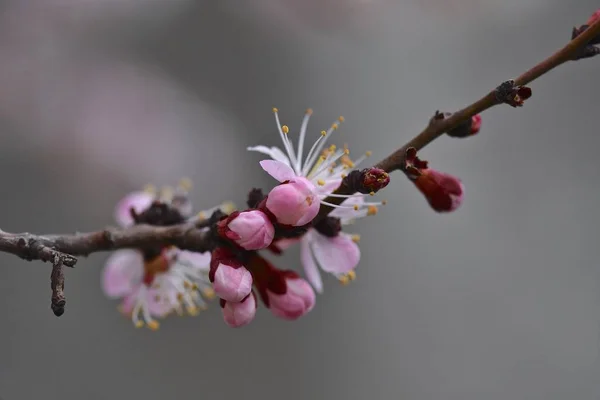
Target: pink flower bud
[
  {"x": 297, "y": 299},
  {"x": 294, "y": 203},
  {"x": 250, "y": 230},
  {"x": 231, "y": 280},
  {"x": 239, "y": 314},
  {"x": 444, "y": 192},
  {"x": 594, "y": 17}
]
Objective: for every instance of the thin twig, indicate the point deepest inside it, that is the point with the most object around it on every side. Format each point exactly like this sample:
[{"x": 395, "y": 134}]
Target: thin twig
[{"x": 436, "y": 128}]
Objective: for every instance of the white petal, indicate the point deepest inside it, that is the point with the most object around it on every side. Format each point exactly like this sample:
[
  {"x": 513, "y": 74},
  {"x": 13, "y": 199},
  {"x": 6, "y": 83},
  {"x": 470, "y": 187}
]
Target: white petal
[
  {"x": 200, "y": 261},
  {"x": 278, "y": 170},
  {"x": 336, "y": 255},
  {"x": 122, "y": 273},
  {"x": 274, "y": 152},
  {"x": 310, "y": 267}
]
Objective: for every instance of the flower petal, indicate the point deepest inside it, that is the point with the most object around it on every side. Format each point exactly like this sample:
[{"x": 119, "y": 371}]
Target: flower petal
[
  {"x": 274, "y": 152},
  {"x": 139, "y": 201},
  {"x": 200, "y": 261},
  {"x": 122, "y": 273},
  {"x": 336, "y": 255},
  {"x": 286, "y": 243},
  {"x": 310, "y": 267},
  {"x": 278, "y": 170},
  {"x": 347, "y": 213}
]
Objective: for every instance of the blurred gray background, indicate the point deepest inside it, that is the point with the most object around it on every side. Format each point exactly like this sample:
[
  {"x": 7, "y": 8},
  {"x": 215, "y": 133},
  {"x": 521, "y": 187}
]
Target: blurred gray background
[{"x": 499, "y": 300}]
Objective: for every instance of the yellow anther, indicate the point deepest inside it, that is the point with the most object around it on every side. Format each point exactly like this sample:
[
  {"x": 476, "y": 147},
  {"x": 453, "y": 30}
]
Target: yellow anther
[
  {"x": 321, "y": 159},
  {"x": 166, "y": 192},
  {"x": 372, "y": 194},
  {"x": 341, "y": 118},
  {"x": 309, "y": 111},
  {"x": 334, "y": 126},
  {"x": 194, "y": 286},
  {"x": 346, "y": 151},
  {"x": 321, "y": 182},
  {"x": 186, "y": 184},
  {"x": 347, "y": 161},
  {"x": 274, "y": 109},
  {"x": 285, "y": 129},
  {"x": 150, "y": 189},
  {"x": 332, "y": 148},
  {"x": 372, "y": 210},
  {"x": 355, "y": 238},
  {"x": 193, "y": 311},
  {"x": 323, "y": 133},
  {"x": 352, "y": 275},
  {"x": 209, "y": 293},
  {"x": 368, "y": 153},
  {"x": 179, "y": 296},
  {"x": 228, "y": 207},
  {"x": 201, "y": 215},
  {"x": 187, "y": 284},
  {"x": 344, "y": 280},
  {"x": 355, "y": 207},
  {"x": 153, "y": 325},
  {"x": 139, "y": 324},
  {"x": 384, "y": 202},
  {"x": 343, "y": 176}
]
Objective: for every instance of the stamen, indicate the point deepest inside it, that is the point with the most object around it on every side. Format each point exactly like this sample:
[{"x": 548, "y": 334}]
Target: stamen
[
  {"x": 342, "y": 196},
  {"x": 153, "y": 325},
  {"x": 355, "y": 238},
  {"x": 311, "y": 160},
  {"x": 209, "y": 293},
  {"x": 186, "y": 184},
  {"x": 286, "y": 142},
  {"x": 311, "y": 151},
  {"x": 372, "y": 210},
  {"x": 353, "y": 207},
  {"x": 303, "y": 128},
  {"x": 150, "y": 189},
  {"x": 326, "y": 163}
]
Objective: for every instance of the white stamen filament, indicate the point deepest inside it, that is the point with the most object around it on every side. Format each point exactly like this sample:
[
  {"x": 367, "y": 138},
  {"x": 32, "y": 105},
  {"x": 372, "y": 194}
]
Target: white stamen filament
[
  {"x": 319, "y": 146},
  {"x": 330, "y": 159},
  {"x": 343, "y": 196},
  {"x": 303, "y": 128},
  {"x": 287, "y": 144}
]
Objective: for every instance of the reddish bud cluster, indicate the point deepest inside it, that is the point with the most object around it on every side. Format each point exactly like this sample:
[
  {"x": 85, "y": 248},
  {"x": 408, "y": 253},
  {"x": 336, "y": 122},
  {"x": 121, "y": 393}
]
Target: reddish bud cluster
[{"x": 511, "y": 94}]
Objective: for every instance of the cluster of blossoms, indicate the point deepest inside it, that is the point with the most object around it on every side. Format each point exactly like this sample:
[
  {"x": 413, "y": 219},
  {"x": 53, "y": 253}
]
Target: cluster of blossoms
[{"x": 157, "y": 281}]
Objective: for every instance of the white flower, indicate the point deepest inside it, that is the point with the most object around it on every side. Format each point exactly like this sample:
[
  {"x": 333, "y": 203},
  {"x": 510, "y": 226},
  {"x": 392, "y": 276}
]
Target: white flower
[{"x": 319, "y": 166}]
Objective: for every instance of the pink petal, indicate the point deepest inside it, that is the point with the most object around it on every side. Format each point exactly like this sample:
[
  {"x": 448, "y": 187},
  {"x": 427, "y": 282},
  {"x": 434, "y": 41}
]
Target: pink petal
[
  {"x": 337, "y": 255},
  {"x": 232, "y": 284},
  {"x": 122, "y": 273},
  {"x": 139, "y": 201},
  {"x": 278, "y": 170},
  {"x": 237, "y": 315},
  {"x": 310, "y": 267}
]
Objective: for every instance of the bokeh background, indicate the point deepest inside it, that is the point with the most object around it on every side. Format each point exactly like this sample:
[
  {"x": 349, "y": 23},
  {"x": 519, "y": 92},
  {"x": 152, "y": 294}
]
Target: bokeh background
[{"x": 499, "y": 300}]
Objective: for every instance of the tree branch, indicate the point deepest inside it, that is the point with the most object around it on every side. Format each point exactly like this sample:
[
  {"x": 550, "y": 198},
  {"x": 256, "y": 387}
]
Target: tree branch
[
  {"x": 61, "y": 249},
  {"x": 438, "y": 127}
]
